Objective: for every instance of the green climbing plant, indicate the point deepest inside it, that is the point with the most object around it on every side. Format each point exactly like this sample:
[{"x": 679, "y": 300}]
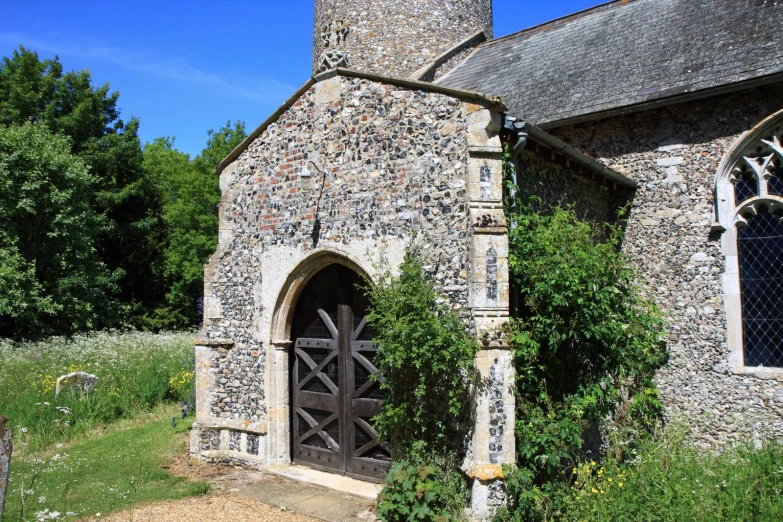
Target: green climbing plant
[
  {"x": 427, "y": 361},
  {"x": 587, "y": 343}
]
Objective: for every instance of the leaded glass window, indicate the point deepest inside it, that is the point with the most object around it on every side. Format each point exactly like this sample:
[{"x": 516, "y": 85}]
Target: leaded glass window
[
  {"x": 760, "y": 248},
  {"x": 752, "y": 188},
  {"x": 745, "y": 186},
  {"x": 775, "y": 182}
]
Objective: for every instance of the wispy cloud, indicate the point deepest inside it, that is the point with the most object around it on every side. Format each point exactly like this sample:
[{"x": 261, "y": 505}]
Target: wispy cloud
[{"x": 257, "y": 89}]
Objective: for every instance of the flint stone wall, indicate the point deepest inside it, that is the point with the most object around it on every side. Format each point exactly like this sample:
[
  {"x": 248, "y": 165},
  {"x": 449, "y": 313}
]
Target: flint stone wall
[
  {"x": 395, "y": 37},
  {"x": 353, "y": 166},
  {"x": 674, "y": 154},
  {"x": 556, "y": 185}
]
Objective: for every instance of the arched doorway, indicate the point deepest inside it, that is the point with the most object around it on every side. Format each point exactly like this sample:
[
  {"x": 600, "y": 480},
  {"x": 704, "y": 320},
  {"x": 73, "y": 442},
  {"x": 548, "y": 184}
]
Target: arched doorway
[{"x": 333, "y": 394}]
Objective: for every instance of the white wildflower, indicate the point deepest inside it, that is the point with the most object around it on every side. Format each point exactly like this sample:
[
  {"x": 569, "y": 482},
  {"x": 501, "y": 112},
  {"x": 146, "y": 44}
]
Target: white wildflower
[{"x": 41, "y": 499}]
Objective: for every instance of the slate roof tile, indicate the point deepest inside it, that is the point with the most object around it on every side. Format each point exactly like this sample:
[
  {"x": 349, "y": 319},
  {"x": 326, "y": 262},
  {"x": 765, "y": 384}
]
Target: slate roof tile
[{"x": 626, "y": 53}]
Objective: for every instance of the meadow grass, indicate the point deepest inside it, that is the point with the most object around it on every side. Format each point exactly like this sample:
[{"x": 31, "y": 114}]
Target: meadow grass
[
  {"x": 671, "y": 480},
  {"x": 136, "y": 371},
  {"x": 108, "y": 469}
]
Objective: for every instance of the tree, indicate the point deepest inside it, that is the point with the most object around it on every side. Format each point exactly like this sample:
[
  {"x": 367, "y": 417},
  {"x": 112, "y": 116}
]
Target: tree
[
  {"x": 126, "y": 202},
  {"x": 190, "y": 198},
  {"x": 51, "y": 278}
]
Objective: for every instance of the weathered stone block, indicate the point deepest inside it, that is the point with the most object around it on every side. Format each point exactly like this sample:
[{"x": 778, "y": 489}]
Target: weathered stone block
[
  {"x": 6, "y": 448},
  {"x": 82, "y": 381}
]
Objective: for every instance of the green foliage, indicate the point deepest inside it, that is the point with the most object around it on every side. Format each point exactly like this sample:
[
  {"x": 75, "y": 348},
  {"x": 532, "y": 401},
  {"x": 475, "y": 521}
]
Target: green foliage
[
  {"x": 153, "y": 221},
  {"x": 422, "y": 492},
  {"x": 586, "y": 343},
  {"x": 51, "y": 279},
  {"x": 116, "y": 468},
  {"x": 426, "y": 359},
  {"x": 125, "y": 201},
  {"x": 136, "y": 372},
  {"x": 670, "y": 480},
  {"x": 190, "y": 195}
]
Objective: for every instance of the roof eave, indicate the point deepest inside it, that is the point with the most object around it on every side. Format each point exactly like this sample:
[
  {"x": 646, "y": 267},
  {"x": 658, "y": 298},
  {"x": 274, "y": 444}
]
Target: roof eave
[
  {"x": 664, "y": 102},
  {"x": 537, "y": 134}
]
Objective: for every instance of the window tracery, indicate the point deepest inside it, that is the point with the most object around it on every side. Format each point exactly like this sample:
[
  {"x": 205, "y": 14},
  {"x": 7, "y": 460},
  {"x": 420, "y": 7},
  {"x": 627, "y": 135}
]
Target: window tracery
[{"x": 750, "y": 214}]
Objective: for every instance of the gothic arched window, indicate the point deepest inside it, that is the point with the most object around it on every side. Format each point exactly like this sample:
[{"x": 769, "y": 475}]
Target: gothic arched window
[{"x": 750, "y": 214}]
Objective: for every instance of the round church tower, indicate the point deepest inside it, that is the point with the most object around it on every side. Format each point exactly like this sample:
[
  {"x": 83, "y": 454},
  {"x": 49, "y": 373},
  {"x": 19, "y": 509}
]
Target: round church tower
[{"x": 393, "y": 37}]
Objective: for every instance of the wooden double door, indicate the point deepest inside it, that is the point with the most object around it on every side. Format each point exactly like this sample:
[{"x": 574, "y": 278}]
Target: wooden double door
[{"x": 333, "y": 392}]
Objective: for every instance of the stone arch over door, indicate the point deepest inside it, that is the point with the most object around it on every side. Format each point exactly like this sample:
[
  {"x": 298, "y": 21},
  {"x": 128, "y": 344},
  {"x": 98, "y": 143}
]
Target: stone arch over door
[
  {"x": 278, "y": 369},
  {"x": 295, "y": 283}
]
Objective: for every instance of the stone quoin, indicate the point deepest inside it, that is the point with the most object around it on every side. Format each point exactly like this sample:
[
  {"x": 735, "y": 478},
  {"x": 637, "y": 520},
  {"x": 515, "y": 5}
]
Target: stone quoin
[{"x": 399, "y": 137}]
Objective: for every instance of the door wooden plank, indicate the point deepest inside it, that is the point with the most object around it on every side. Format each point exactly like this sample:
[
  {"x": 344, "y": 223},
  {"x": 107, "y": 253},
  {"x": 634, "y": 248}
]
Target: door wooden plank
[
  {"x": 303, "y": 356},
  {"x": 315, "y": 372},
  {"x": 325, "y": 436},
  {"x": 318, "y": 401},
  {"x": 367, "y": 408},
  {"x": 345, "y": 328},
  {"x": 356, "y": 333}
]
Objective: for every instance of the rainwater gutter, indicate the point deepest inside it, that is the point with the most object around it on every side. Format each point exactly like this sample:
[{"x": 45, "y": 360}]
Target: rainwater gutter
[{"x": 524, "y": 131}]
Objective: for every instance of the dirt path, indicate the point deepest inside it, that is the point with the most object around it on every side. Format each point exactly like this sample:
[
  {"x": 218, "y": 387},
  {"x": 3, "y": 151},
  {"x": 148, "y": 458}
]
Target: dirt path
[
  {"x": 244, "y": 496},
  {"x": 213, "y": 507}
]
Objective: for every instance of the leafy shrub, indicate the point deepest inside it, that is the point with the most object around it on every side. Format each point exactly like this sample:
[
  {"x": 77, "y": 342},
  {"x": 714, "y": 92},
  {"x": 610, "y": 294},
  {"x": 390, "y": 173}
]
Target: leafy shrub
[
  {"x": 426, "y": 358},
  {"x": 427, "y": 361},
  {"x": 586, "y": 343},
  {"x": 422, "y": 492}
]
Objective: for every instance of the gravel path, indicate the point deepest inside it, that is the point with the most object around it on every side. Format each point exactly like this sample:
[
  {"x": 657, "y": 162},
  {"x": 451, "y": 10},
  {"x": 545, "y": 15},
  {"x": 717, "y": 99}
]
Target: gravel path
[{"x": 213, "y": 507}]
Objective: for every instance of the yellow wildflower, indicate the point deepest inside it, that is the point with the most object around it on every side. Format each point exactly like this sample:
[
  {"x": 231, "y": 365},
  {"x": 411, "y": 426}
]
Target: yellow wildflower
[{"x": 620, "y": 484}]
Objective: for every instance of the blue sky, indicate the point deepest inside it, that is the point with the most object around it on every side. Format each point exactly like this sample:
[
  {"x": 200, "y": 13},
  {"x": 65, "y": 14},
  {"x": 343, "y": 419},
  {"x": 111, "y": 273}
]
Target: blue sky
[{"x": 185, "y": 67}]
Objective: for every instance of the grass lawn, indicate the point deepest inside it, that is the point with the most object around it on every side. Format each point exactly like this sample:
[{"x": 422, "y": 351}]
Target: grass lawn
[{"x": 111, "y": 468}]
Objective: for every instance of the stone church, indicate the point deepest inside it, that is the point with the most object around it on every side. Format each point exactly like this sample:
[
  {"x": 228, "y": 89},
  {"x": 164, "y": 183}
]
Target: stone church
[{"x": 672, "y": 106}]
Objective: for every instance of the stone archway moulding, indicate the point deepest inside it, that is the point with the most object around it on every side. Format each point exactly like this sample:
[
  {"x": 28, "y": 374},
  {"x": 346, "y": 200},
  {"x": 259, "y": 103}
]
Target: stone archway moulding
[
  {"x": 295, "y": 283},
  {"x": 277, "y": 371},
  {"x": 766, "y": 136},
  {"x": 726, "y": 211}
]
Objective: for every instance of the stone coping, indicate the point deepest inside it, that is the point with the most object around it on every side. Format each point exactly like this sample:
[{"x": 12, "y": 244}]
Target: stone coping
[
  {"x": 476, "y": 38},
  {"x": 493, "y": 102}
]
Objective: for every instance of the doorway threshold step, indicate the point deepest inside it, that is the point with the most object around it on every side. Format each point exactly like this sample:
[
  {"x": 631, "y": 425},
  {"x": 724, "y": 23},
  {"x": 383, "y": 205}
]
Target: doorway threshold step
[{"x": 351, "y": 486}]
